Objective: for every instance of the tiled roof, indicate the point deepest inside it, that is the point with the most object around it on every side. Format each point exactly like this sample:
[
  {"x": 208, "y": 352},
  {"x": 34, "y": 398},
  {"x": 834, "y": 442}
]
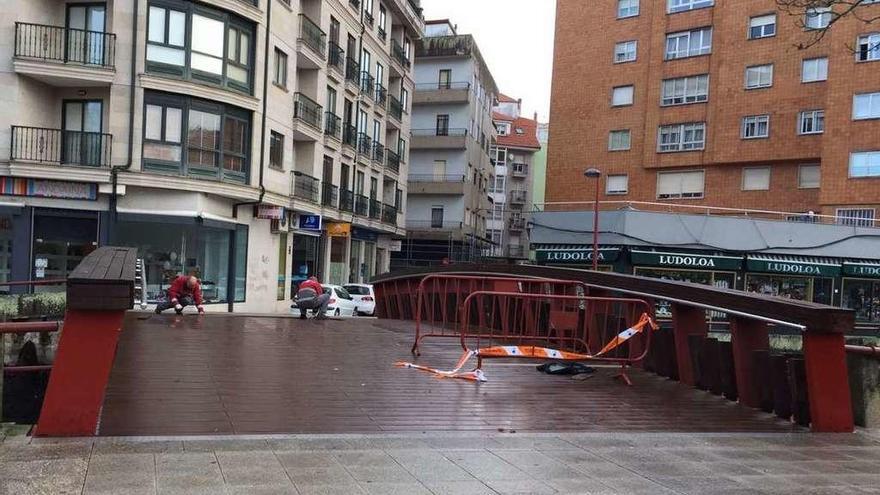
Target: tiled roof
[
  {"x": 527, "y": 139},
  {"x": 503, "y": 98}
]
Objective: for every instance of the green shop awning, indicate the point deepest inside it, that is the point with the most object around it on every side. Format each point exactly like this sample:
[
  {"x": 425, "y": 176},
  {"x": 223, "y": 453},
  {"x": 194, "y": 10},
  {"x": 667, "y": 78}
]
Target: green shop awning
[
  {"x": 686, "y": 260},
  {"x": 865, "y": 269},
  {"x": 793, "y": 265},
  {"x": 574, "y": 255}
]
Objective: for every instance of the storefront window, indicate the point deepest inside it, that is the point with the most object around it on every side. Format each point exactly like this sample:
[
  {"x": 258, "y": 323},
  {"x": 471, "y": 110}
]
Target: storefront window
[
  {"x": 355, "y": 261},
  {"x": 337, "y": 260},
  {"x": 241, "y": 247},
  {"x": 369, "y": 261},
  {"x": 863, "y": 297},
  {"x": 170, "y": 250},
  {"x": 799, "y": 288},
  {"x": 306, "y": 259},
  {"x": 5, "y": 251},
  {"x": 282, "y": 266},
  {"x": 60, "y": 242},
  {"x": 724, "y": 280}
]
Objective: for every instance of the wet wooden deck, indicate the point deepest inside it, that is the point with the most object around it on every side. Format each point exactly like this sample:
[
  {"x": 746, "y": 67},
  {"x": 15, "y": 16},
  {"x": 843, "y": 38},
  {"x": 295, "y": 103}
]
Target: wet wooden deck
[{"x": 226, "y": 374}]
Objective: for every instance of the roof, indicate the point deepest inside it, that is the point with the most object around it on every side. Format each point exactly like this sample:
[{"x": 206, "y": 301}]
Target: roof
[
  {"x": 502, "y": 98},
  {"x": 527, "y": 139},
  {"x": 704, "y": 232}
]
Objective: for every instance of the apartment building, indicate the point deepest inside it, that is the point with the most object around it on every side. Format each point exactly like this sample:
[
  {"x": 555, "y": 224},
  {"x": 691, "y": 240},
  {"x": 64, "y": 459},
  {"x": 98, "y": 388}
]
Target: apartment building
[
  {"x": 514, "y": 154},
  {"x": 248, "y": 142},
  {"x": 700, "y": 102},
  {"x": 449, "y": 168}
]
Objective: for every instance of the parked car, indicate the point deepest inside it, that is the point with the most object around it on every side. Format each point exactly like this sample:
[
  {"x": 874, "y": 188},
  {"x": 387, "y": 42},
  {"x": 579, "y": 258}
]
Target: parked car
[
  {"x": 341, "y": 302},
  {"x": 364, "y": 298}
]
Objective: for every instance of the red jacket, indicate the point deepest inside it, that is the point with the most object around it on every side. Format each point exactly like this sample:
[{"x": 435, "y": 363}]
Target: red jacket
[
  {"x": 179, "y": 289},
  {"x": 311, "y": 284}
]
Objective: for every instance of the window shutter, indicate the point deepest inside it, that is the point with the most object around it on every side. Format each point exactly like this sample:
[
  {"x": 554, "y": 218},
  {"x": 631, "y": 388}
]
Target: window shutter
[
  {"x": 756, "y": 179},
  {"x": 809, "y": 176},
  {"x": 692, "y": 182},
  {"x": 668, "y": 184}
]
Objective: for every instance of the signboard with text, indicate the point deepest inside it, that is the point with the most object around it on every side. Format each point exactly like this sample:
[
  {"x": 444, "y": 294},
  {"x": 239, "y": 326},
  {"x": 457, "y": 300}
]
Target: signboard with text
[
  {"x": 793, "y": 267},
  {"x": 575, "y": 256},
  {"x": 861, "y": 270},
  {"x": 309, "y": 222},
  {"x": 686, "y": 260},
  {"x": 338, "y": 229},
  {"x": 270, "y": 212}
]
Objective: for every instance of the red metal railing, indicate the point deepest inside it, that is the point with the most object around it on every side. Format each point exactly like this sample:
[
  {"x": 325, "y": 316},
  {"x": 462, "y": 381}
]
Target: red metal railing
[
  {"x": 23, "y": 327},
  {"x": 438, "y": 298}
]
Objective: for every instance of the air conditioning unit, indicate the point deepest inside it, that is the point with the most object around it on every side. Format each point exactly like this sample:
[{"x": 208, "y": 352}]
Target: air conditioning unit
[{"x": 281, "y": 225}]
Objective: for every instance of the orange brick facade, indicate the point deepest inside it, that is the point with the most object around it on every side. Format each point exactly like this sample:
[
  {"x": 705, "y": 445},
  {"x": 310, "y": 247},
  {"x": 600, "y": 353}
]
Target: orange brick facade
[{"x": 584, "y": 76}]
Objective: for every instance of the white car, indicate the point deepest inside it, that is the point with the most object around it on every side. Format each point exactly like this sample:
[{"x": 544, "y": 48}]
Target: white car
[
  {"x": 364, "y": 298},
  {"x": 341, "y": 303}
]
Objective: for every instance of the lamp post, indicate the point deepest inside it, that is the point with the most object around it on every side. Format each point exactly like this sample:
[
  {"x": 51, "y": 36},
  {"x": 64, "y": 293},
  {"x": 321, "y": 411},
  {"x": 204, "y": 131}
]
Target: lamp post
[{"x": 595, "y": 173}]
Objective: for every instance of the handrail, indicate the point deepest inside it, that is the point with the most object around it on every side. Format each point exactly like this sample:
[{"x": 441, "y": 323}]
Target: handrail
[
  {"x": 449, "y": 178},
  {"x": 62, "y": 147},
  {"x": 440, "y": 85},
  {"x": 336, "y": 57},
  {"x": 305, "y": 187},
  {"x": 307, "y": 110},
  {"x": 312, "y": 35},
  {"x": 441, "y": 132},
  {"x": 66, "y": 45},
  {"x": 332, "y": 125},
  {"x": 863, "y": 350}
]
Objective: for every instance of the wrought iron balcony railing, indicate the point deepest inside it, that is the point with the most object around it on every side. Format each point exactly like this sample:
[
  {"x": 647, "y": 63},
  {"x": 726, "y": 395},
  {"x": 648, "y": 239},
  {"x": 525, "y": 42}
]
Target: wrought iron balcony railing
[
  {"x": 346, "y": 201},
  {"x": 518, "y": 197},
  {"x": 361, "y": 205},
  {"x": 365, "y": 144},
  {"x": 305, "y": 187},
  {"x": 42, "y": 145},
  {"x": 442, "y": 85},
  {"x": 350, "y": 135},
  {"x": 389, "y": 214},
  {"x": 395, "y": 108},
  {"x": 368, "y": 84},
  {"x": 375, "y": 209},
  {"x": 436, "y": 178},
  {"x": 65, "y": 45},
  {"x": 312, "y": 35},
  {"x": 336, "y": 56},
  {"x": 307, "y": 110},
  {"x": 332, "y": 125},
  {"x": 399, "y": 54},
  {"x": 381, "y": 95},
  {"x": 329, "y": 195},
  {"x": 378, "y": 152},
  {"x": 440, "y": 131},
  {"x": 392, "y": 161},
  {"x": 352, "y": 70}
]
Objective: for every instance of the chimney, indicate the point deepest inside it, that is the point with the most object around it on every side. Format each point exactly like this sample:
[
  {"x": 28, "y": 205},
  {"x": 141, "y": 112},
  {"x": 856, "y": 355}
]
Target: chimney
[{"x": 536, "y": 117}]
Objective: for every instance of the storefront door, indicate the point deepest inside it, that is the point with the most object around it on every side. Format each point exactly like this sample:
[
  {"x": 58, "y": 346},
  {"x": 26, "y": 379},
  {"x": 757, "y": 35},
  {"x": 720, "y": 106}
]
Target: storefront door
[
  {"x": 61, "y": 241},
  {"x": 354, "y": 265},
  {"x": 338, "y": 260},
  {"x": 306, "y": 259}
]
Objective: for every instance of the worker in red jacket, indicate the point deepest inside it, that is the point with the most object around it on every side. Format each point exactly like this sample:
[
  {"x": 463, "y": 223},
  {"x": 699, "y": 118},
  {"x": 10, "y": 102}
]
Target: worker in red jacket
[
  {"x": 310, "y": 295},
  {"x": 185, "y": 291}
]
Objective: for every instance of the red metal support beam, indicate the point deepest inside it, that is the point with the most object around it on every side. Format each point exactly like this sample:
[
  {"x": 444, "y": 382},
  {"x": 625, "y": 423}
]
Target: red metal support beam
[
  {"x": 746, "y": 336},
  {"x": 827, "y": 379},
  {"x": 19, "y": 327},
  {"x": 687, "y": 321}
]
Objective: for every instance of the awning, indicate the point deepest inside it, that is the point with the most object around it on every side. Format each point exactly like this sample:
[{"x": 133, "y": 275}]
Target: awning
[
  {"x": 864, "y": 269},
  {"x": 573, "y": 254},
  {"x": 793, "y": 265},
  {"x": 686, "y": 260}
]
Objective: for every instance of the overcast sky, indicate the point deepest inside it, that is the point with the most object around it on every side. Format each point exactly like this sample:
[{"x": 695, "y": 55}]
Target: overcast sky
[{"x": 515, "y": 38}]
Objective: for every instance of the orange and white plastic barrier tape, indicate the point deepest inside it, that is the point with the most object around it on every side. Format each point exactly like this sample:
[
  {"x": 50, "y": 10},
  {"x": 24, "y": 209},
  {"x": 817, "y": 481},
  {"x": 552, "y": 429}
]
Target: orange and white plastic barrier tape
[{"x": 528, "y": 351}]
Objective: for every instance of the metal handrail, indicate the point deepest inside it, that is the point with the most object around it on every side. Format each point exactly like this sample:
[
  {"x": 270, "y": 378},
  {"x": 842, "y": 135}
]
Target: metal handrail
[
  {"x": 59, "y": 146},
  {"x": 329, "y": 195},
  {"x": 440, "y": 85},
  {"x": 395, "y": 107},
  {"x": 346, "y": 200},
  {"x": 389, "y": 214},
  {"x": 307, "y": 110},
  {"x": 441, "y": 131},
  {"x": 368, "y": 84},
  {"x": 392, "y": 161},
  {"x": 398, "y": 54},
  {"x": 305, "y": 187},
  {"x": 66, "y": 45},
  {"x": 365, "y": 144},
  {"x": 332, "y": 125},
  {"x": 312, "y": 35},
  {"x": 378, "y": 152},
  {"x": 352, "y": 70},
  {"x": 375, "y": 209},
  {"x": 437, "y": 178},
  {"x": 349, "y": 135},
  {"x": 361, "y": 205},
  {"x": 336, "y": 57}
]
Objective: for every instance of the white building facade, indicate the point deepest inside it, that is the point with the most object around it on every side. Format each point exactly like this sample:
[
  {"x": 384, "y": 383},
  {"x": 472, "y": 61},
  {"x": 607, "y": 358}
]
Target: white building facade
[{"x": 248, "y": 142}]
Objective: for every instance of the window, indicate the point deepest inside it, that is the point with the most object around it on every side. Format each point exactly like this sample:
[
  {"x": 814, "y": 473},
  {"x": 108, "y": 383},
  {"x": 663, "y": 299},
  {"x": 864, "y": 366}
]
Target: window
[
  {"x": 673, "y": 6},
  {"x": 622, "y": 95},
  {"x": 682, "y": 137},
  {"x": 855, "y": 217},
  {"x": 868, "y": 47},
  {"x": 625, "y": 52},
  {"x": 280, "y": 68},
  {"x": 276, "y": 150},
  {"x": 814, "y": 69},
  {"x": 445, "y": 81},
  {"x": 200, "y": 44},
  {"x": 619, "y": 140},
  {"x": 817, "y": 17},
  {"x": 217, "y": 138},
  {"x": 762, "y": 26},
  {"x": 864, "y": 164},
  {"x": 689, "y": 43},
  {"x": 866, "y": 106},
  {"x": 759, "y": 76},
  {"x": 674, "y": 185},
  {"x": 499, "y": 184},
  {"x": 437, "y": 217},
  {"x": 442, "y": 128},
  {"x": 684, "y": 90},
  {"x": 404, "y": 99},
  {"x": 808, "y": 176},
  {"x": 627, "y": 8},
  {"x": 756, "y": 126},
  {"x": 616, "y": 184},
  {"x": 383, "y": 20},
  {"x": 756, "y": 179},
  {"x": 503, "y": 128},
  {"x": 811, "y": 122}
]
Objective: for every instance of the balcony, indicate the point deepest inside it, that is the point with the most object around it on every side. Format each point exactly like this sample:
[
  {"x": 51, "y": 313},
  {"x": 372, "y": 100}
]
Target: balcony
[
  {"x": 60, "y": 147},
  {"x": 378, "y": 153},
  {"x": 442, "y": 92},
  {"x": 519, "y": 170},
  {"x": 517, "y": 224},
  {"x": 437, "y": 184},
  {"x": 305, "y": 187},
  {"x": 350, "y": 136},
  {"x": 62, "y": 56},
  {"x": 332, "y": 126},
  {"x": 365, "y": 145},
  {"x": 518, "y": 197},
  {"x": 311, "y": 44},
  {"x": 389, "y": 214},
  {"x": 381, "y": 96},
  {"x": 369, "y": 20},
  {"x": 375, "y": 209},
  {"x": 399, "y": 56},
  {"x": 440, "y": 138},
  {"x": 329, "y": 195},
  {"x": 430, "y": 225},
  {"x": 395, "y": 108},
  {"x": 346, "y": 201},
  {"x": 361, "y": 205},
  {"x": 355, "y": 4},
  {"x": 352, "y": 71},
  {"x": 336, "y": 57},
  {"x": 368, "y": 87},
  {"x": 392, "y": 161},
  {"x": 306, "y": 111}
]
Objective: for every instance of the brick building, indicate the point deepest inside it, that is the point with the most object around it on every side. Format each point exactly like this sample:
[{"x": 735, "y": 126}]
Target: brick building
[{"x": 713, "y": 103}]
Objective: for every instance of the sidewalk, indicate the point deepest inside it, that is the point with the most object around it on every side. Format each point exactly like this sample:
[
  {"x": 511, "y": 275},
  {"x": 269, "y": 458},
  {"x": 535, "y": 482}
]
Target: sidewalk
[{"x": 450, "y": 463}]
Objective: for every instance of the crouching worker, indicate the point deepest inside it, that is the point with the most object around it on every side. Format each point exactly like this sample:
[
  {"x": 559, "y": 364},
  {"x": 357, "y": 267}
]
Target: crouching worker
[
  {"x": 311, "y": 296},
  {"x": 185, "y": 291}
]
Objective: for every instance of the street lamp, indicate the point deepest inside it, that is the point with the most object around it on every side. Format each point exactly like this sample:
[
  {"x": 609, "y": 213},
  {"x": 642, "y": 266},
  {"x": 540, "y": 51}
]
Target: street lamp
[{"x": 595, "y": 173}]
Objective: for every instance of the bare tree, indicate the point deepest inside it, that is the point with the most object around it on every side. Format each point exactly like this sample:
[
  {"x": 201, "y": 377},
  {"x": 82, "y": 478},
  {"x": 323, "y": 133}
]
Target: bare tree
[{"x": 818, "y": 17}]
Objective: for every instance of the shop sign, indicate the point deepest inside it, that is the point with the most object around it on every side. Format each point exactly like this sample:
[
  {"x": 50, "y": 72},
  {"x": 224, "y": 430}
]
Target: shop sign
[
  {"x": 364, "y": 235},
  {"x": 575, "y": 256},
  {"x": 794, "y": 267},
  {"x": 395, "y": 246},
  {"x": 861, "y": 270},
  {"x": 270, "y": 212},
  {"x": 309, "y": 222},
  {"x": 681, "y": 260},
  {"x": 338, "y": 229},
  {"x": 42, "y": 188}
]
